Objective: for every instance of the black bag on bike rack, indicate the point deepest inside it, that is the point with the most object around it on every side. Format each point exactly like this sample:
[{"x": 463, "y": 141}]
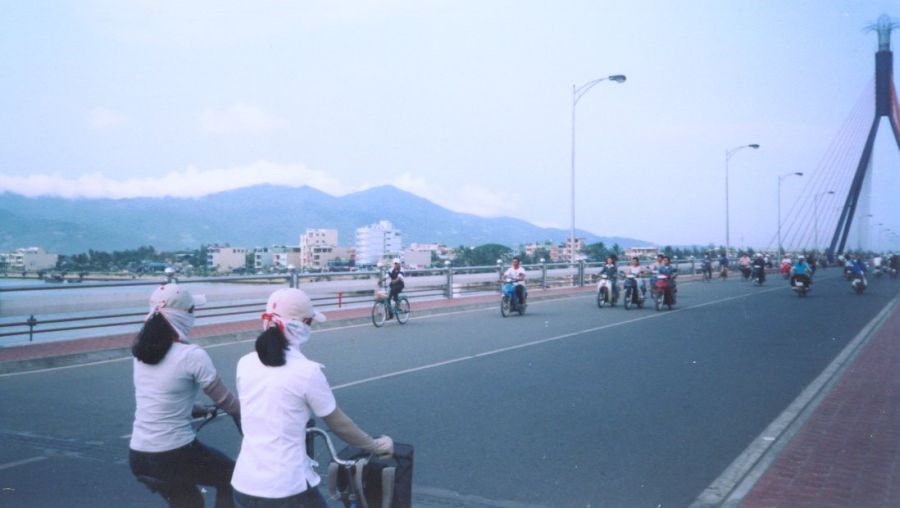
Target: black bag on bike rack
[{"x": 374, "y": 482}]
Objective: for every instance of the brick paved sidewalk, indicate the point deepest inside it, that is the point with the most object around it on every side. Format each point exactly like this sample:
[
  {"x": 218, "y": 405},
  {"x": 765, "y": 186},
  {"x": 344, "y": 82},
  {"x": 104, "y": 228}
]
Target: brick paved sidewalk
[
  {"x": 68, "y": 352},
  {"x": 847, "y": 454}
]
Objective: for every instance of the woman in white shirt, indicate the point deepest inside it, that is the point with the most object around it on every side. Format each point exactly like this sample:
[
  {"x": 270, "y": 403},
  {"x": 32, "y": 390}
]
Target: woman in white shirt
[
  {"x": 168, "y": 373},
  {"x": 281, "y": 390}
]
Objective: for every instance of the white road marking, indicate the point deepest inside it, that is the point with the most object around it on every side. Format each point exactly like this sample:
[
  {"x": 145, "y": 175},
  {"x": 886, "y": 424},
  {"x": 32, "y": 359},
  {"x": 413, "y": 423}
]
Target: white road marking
[{"x": 9, "y": 465}]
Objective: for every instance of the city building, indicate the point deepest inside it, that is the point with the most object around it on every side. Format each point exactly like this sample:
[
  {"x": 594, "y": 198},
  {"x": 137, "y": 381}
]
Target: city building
[
  {"x": 641, "y": 252},
  {"x": 567, "y": 249},
  {"x": 226, "y": 259},
  {"x": 315, "y": 239},
  {"x": 30, "y": 259},
  {"x": 376, "y": 242},
  {"x": 263, "y": 259},
  {"x": 284, "y": 257},
  {"x": 329, "y": 257},
  {"x": 551, "y": 248},
  {"x": 422, "y": 255}
]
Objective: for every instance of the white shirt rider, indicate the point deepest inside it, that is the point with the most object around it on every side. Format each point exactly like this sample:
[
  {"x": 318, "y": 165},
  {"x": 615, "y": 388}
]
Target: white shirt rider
[{"x": 516, "y": 273}]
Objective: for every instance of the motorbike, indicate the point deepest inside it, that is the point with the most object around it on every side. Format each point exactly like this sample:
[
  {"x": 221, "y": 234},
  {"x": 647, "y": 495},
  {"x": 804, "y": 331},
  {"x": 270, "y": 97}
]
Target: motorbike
[
  {"x": 800, "y": 286},
  {"x": 746, "y": 272},
  {"x": 892, "y": 272},
  {"x": 723, "y": 273},
  {"x": 757, "y": 275},
  {"x": 858, "y": 284},
  {"x": 664, "y": 294},
  {"x": 878, "y": 272},
  {"x": 607, "y": 292},
  {"x": 633, "y": 293},
  {"x": 506, "y": 301},
  {"x": 785, "y": 270}
]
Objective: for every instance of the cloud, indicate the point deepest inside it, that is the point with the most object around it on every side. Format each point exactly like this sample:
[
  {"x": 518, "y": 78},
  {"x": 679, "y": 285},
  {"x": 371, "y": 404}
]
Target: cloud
[
  {"x": 189, "y": 183},
  {"x": 240, "y": 119},
  {"x": 102, "y": 118},
  {"x": 467, "y": 198}
]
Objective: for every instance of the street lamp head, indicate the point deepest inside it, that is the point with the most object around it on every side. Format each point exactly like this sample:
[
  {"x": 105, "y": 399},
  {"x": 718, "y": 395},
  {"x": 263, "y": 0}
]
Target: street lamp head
[
  {"x": 799, "y": 173},
  {"x": 618, "y": 78},
  {"x": 754, "y": 146},
  {"x": 830, "y": 192}
]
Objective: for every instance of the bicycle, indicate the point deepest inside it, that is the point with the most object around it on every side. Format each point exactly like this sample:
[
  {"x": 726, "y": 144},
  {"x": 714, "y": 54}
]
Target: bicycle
[
  {"x": 385, "y": 309},
  {"x": 165, "y": 487},
  {"x": 362, "y": 480}
]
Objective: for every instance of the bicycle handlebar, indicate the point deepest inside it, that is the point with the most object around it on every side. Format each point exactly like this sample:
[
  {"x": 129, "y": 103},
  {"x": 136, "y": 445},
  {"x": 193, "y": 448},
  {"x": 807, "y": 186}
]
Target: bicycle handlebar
[{"x": 315, "y": 431}]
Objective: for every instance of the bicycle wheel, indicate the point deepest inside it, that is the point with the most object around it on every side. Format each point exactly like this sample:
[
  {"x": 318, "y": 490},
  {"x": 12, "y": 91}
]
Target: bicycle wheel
[
  {"x": 402, "y": 311},
  {"x": 379, "y": 314}
]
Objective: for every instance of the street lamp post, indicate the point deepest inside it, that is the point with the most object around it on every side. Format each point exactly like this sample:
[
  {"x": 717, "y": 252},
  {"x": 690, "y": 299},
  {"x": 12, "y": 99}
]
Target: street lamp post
[
  {"x": 816, "y": 216},
  {"x": 577, "y": 92},
  {"x": 780, "y": 179},
  {"x": 728, "y": 154}
]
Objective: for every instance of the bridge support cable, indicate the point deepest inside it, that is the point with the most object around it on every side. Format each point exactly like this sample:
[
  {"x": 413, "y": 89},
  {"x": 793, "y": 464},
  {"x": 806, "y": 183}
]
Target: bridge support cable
[
  {"x": 832, "y": 177},
  {"x": 801, "y": 228},
  {"x": 832, "y": 169}
]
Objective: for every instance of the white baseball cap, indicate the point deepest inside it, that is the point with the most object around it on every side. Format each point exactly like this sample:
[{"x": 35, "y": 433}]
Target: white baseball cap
[
  {"x": 293, "y": 304},
  {"x": 397, "y": 261},
  {"x": 172, "y": 296}
]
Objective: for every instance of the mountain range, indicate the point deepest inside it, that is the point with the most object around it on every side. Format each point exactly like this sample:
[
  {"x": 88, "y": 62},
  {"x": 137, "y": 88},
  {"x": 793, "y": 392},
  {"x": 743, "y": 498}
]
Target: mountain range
[{"x": 256, "y": 216}]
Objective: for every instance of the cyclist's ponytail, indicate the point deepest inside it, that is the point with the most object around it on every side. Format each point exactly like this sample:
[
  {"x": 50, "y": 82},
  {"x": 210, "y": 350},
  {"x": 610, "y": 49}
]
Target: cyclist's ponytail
[
  {"x": 270, "y": 346},
  {"x": 154, "y": 340}
]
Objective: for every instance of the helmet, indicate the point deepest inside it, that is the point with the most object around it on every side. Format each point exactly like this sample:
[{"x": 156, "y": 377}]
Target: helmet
[
  {"x": 396, "y": 261},
  {"x": 801, "y": 257},
  {"x": 759, "y": 254}
]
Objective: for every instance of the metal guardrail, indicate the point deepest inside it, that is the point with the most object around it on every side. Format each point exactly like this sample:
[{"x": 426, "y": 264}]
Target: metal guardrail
[{"x": 454, "y": 282}]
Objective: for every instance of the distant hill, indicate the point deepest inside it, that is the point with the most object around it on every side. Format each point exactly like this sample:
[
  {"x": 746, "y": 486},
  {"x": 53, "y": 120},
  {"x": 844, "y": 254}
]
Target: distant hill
[{"x": 255, "y": 216}]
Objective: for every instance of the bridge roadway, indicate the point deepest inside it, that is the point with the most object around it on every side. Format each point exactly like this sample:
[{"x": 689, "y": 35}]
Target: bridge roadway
[{"x": 567, "y": 406}]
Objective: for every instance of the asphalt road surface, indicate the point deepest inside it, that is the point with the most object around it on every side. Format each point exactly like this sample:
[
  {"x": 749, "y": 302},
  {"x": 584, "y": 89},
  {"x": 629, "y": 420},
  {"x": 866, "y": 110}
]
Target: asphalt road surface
[{"x": 566, "y": 406}]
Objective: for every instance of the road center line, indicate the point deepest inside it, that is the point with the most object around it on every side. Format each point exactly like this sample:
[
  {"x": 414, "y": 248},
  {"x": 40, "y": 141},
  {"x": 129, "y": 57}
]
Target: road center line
[{"x": 543, "y": 341}]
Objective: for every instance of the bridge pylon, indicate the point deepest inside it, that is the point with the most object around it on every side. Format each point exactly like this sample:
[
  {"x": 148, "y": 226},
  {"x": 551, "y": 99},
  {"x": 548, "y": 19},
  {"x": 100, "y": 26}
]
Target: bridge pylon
[{"x": 886, "y": 104}]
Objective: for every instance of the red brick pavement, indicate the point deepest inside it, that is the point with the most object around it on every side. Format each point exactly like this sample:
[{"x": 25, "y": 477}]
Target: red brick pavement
[{"x": 847, "y": 454}]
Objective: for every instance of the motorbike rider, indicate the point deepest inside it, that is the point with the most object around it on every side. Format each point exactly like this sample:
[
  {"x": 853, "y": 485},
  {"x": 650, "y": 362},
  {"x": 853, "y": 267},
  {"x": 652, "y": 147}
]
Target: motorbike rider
[
  {"x": 396, "y": 284},
  {"x": 670, "y": 272},
  {"x": 894, "y": 262},
  {"x": 706, "y": 265},
  {"x": 281, "y": 391},
  {"x": 723, "y": 265},
  {"x": 744, "y": 264},
  {"x": 759, "y": 265},
  {"x": 168, "y": 373},
  {"x": 612, "y": 273},
  {"x": 517, "y": 274},
  {"x": 858, "y": 269},
  {"x": 637, "y": 270},
  {"x": 801, "y": 271}
]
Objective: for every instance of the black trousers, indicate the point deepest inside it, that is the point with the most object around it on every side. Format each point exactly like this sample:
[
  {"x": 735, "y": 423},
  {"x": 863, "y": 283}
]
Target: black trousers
[{"x": 182, "y": 469}]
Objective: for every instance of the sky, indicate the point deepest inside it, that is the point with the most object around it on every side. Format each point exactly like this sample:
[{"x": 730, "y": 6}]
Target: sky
[{"x": 466, "y": 103}]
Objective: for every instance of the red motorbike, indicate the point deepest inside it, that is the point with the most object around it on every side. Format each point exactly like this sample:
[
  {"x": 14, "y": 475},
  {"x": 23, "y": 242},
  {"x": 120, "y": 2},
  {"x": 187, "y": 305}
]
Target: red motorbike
[{"x": 664, "y": 294}]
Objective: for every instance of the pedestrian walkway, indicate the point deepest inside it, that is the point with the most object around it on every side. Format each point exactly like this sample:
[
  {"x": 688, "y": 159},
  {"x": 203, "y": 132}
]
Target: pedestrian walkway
[{"x": 847, "y": 454}]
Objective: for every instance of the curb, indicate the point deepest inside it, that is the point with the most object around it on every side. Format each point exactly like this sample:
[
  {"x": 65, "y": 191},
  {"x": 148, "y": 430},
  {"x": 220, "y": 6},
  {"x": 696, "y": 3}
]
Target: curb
[{"x": 739, "y": 478}]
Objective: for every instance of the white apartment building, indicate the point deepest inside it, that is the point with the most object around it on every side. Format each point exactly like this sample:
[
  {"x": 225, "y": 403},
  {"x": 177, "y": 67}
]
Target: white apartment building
[
  {"x": 29, "y": 259},
  {"x": 226, "y": 259},
  {"x": 377, "y": 241},
  {"x": 315, "y": 239},
  {"x": 263, "y": 258}
]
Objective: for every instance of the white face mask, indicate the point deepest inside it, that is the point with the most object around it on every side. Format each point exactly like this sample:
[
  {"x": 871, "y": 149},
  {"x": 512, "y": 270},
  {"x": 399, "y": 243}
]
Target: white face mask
[
  {"x": 181, "y": 320},
  {"x": 296, "y": 332}
]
